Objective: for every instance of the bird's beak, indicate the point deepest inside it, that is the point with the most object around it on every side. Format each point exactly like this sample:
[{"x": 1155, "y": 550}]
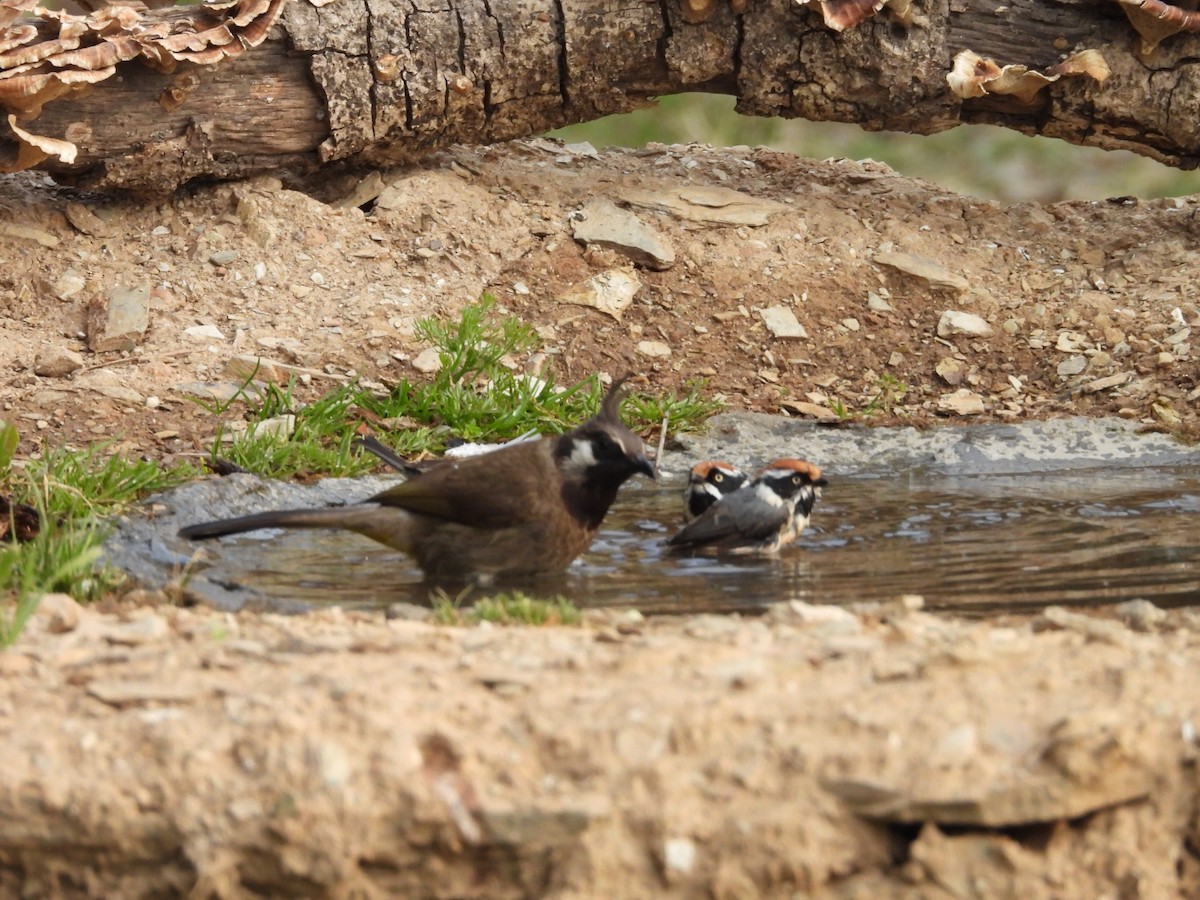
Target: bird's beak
[{"x": 646, "y": 466}]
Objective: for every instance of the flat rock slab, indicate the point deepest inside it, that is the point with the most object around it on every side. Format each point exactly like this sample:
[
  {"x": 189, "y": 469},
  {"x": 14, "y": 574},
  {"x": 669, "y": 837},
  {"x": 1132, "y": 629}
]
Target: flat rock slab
[{"x": 1055, "y": 445}]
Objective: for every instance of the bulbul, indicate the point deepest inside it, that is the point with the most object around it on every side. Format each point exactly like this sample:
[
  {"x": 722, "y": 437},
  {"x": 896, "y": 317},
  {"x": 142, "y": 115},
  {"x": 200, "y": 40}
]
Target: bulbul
[
  {"x": 764, "y": 515},
  {"x": 525, "y": 509},
  {"x": 707, "y": 483}
]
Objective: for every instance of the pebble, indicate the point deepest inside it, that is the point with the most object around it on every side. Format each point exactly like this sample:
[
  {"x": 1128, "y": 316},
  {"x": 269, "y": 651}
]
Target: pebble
[
  {"x": 120, "y": 321},
  {"x": 601, "y": 222},
  {"x": 1095, "y": 628},
  {"x": 69, "y": 284},
  {"x": 1072, "y": 365},
  {"x": 957, "y": 322},
  {"x": 610, "y": 292},
  {"x": 877, "y": 303},
  {"x": 1141, "y": 615},
  {"x": 679, "y": 855},
  {"x": 205, "y": 332},
  {"x": 61, "y": 612},
  {"x": 782, "y": 322},
  {"x": 654, "y": 349},
  {"x": 144, "y": 629},
  {"x": 951, "y": 371},
  {"x": 963, "y": 402},
  {"x": 57, "y": 362},
  {"x": 924, "y": 268},
  {"x": 427, "y": 361}
]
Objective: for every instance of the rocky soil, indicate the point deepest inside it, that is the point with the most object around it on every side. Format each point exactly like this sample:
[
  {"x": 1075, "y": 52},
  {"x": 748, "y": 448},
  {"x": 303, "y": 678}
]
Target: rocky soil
[{"x": 151, "y": 750}]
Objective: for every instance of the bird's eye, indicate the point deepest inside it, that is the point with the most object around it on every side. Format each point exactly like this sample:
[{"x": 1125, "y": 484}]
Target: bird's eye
[
  {"x": 718, "y": 478},
  {"x": 796, "y": 479}
]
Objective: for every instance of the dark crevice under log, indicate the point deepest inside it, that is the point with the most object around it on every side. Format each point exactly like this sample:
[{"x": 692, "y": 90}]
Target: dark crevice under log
[{"x": 381, "y": 82}]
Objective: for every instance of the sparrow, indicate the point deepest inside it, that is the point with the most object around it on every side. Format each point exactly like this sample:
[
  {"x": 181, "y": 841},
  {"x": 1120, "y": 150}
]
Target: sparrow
[
  {"x": 523, "y": 510},
  {"x": 760, "y": 517},
  {"x": 707, "y": 483}
]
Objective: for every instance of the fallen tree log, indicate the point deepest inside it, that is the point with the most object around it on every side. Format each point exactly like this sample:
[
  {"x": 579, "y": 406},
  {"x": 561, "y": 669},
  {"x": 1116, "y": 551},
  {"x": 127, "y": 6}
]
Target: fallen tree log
[{"x": 173, "y": 98}]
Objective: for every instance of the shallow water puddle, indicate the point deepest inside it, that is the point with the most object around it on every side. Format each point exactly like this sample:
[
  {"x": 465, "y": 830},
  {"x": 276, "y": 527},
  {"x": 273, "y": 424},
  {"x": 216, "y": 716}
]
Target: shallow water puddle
[{"x": 982, "y": 544}]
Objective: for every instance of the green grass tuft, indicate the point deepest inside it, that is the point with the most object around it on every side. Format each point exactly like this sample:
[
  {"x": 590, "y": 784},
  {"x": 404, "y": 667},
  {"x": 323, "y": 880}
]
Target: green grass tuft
[
  {"x": 474, "y": 398},
  {"x": 508, "y": 608},
  {"x": 72, "y": 491}
]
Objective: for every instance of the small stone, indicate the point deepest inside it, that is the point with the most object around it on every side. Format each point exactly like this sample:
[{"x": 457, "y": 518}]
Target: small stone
[
  {"x": 782, "y": 322},
  {"x": 120, "y": 392},
  {"x": 427, "y": 361},
  {"x": 679, "y": 855},
  {"x": 223, "y": 257},
  {"x": 1070, "y": 342},
  {"x": 276, "y": 426},
  {"x": 1164, "y": 359},
  {"x": 1092, "y": 627},
  {"x": 850, "y": 324},
  {"x": 205, "y": 332},
  {"x": 951, "y": 371},
  {"x": 131, "y": 693},
  {"x": 86, "y": 221},
  {"x": 610, "y": 292},
  {"x": 654, "y": 349},
  {"x": 145, "y": 629},
  {"x": 1011, "y": 326},
  {"x": 1072, "y": 365},
  {"x": 809, "y": 410},
  {"x": 1110, "y": 381},
  {"x": 876, "y": 303},
  {"x": 601, "y": 222},
  {"x": 61, "y": 612},
  {"x": 120, "y": 320},
  {"x": 963, "y": 402},
  {"x": 956, "y": 322},
  {"x": 924, "y": 268},
  {"x": 1141, "y": 615},
  {"x": 68, "y": 284},
  {"x": 57, "y": 362},
  {"x": 408, "y": 612}
]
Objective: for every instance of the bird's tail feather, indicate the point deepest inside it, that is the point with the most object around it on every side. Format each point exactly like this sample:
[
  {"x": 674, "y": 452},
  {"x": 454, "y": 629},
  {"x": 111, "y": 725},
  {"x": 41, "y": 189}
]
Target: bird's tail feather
[{"x": 366, "y": 518}]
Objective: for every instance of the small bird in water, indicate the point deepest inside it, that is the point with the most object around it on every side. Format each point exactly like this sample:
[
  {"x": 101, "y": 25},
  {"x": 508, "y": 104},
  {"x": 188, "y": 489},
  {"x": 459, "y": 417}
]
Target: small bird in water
[
  {"x": 522, "y": 510},
  {"x": 708, "y": 482},
  {"x": 764, "y": 515}
]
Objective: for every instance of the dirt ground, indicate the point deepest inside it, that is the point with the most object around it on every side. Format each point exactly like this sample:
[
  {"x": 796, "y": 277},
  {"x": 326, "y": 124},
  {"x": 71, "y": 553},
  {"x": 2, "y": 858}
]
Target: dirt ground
[{"x": 155, "y": 751}]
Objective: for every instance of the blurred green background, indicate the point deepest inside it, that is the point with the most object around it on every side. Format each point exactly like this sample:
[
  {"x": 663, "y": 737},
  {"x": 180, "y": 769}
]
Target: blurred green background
[{"x": 983, "y": 161}]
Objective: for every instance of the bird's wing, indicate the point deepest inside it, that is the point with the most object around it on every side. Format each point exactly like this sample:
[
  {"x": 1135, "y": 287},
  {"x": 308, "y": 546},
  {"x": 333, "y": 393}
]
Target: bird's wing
[
  {"x": 736, "y": 515},
  {"x": 493, "y": 490}
]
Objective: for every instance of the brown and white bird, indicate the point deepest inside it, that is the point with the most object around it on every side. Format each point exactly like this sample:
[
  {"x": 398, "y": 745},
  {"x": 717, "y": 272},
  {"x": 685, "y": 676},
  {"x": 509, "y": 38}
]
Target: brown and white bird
[
  {"x": 764, "y": 515},
  {"x": 708, "y": 482},
  {"x": 525, "y": 509}
]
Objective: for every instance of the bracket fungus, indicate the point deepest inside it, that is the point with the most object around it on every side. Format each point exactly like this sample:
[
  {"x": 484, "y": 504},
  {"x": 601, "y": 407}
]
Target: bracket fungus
[
  {"x": 1155, "y": 21},
  {"x": 977, "y": 76},
  {"x": 49, "y": 54},
  {"x": 842, "y": 14}
]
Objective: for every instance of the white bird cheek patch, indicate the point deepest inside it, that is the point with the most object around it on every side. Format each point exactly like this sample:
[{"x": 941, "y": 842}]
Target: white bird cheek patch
[{"x": 583, "y": 456}]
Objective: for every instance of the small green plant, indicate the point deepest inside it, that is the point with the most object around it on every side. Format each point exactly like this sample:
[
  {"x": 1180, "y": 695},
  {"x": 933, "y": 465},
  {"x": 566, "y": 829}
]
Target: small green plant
[
  {"x": 508, "y": 608},
  {"x": 891, "y": 390},
  {"x": 840, "y": 409},
  {"x": 473, "y": 397},
  {"x": 71, "y": 491}
]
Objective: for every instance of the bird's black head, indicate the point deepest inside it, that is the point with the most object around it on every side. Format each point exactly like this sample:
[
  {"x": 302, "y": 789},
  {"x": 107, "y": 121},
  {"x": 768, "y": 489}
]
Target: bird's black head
[
  {"x": 708, "y": 482},
  {"x": 795, "y": 480},
  {"x": 597, "y": 458}
]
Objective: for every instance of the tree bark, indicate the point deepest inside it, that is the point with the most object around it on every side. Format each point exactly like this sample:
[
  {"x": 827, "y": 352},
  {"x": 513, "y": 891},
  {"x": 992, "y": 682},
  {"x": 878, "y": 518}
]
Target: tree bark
[{"x": 383, "y": 82}]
